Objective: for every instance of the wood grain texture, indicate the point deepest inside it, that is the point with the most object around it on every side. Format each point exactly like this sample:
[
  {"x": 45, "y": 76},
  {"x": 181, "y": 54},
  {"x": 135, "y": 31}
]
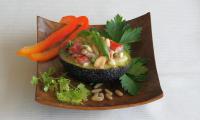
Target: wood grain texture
[{"x": 150, "y": 90}]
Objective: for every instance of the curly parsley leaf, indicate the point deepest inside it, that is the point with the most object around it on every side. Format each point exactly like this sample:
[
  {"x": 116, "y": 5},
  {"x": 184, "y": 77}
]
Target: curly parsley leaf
[
  {"x": 79, "y": 94},
  {"x": 129, "y": 84},
  {"x": 34, "y": 80},
  {"x": 75, "y": 95},
  {"x": 65, "y": 91},
  {"x": 46, "y": 88},
  {"x": 64, "y": 96},
  {"x": 63, "y": 84}
]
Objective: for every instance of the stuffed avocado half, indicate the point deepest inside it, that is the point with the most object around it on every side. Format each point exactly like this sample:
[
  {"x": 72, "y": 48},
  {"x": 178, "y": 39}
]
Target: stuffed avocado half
[{"x": 93, "y": 58}]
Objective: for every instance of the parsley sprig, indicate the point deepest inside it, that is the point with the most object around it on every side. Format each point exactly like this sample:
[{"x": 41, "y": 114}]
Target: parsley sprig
[
  {"x": 137, "y": 72},
  {"x": 120, "y": 31}
]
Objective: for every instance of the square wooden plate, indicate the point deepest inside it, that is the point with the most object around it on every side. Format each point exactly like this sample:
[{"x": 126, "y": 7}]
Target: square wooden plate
[{"x": 149, "y": 92}]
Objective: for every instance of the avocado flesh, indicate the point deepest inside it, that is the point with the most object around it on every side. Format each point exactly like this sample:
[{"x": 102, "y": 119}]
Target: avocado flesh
[{"x": 91, "y": 74}]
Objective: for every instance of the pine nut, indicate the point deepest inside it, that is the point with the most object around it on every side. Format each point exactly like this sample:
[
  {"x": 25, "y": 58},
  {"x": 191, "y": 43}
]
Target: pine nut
[
  {"x": 84, "y": 51},
  {"x": 108, "y": 42},
  {"x": 100, "y": 62},
  {"x": 119, "y": 93},
  {"x": 94, "y": 48},
  {"x": 86, "y": 64},
  {"x": 108, "y": 92},
  {"x": 112, "y": 62},
  {"x": 97, "y": 97},
  {"x": 101, "y": 95},
  {"x": 111, "y": 54},
  {"x": 108, "y": 96},
  {"x": 88, "y": 48},
  {"x": 96, "y": 90},
  {"x": 98, "y": 85},
  {"x": 121, "y": 54}
]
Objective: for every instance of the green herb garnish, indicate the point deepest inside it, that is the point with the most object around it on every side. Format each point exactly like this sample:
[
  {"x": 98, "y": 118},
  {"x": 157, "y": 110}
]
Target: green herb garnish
[
  {"x": 69, "y": 44},
  {"x": 65, "y": 91},
  {"x": 116, "y": 27},
  {"x": 120, "y": 31},
  {"x": 136, "y": 72},
  {"x": 100, "y": 43},
  {"x": 73, "y": 95},
  {"x": 131, "y": 35},
  {"x": 129, "y": 84}
]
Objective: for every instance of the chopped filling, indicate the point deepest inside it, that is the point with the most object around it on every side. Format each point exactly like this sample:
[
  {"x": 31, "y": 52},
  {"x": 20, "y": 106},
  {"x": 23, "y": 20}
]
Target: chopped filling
[{"x": 84, "y": 52}]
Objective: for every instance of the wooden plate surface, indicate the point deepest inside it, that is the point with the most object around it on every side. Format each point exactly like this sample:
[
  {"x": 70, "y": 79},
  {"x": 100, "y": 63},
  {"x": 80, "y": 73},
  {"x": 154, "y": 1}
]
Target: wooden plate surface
[{"x": 149, "y": 92}]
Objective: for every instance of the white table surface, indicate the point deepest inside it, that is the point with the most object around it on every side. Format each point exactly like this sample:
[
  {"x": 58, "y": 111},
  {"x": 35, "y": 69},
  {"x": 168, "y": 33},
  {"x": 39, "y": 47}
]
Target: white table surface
[{"x": 176, "y": 33}]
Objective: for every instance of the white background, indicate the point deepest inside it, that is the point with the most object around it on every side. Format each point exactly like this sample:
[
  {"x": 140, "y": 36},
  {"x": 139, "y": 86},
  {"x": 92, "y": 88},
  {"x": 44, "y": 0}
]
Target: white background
[{"x": 176, "y": 34}]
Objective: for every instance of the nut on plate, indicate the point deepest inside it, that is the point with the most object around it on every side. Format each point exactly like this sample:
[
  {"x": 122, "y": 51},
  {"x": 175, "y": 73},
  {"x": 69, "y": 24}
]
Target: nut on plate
[
  {"x": 108, "y": 91},
  {"x": 119, "y": 93},
  {"x": 98, "y": 97},
  {"x": 98, "y": 85},
  {"x": 108, "y": 96},
  {"x": 97, "y": 90}
]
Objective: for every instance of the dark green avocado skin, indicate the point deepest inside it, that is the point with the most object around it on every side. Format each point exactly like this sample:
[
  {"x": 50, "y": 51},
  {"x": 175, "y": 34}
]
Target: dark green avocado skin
[{"x": 93, "y": 75}]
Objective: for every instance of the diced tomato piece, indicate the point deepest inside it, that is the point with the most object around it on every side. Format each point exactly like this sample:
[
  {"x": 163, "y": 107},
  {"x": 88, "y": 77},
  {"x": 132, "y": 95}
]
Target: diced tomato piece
[
  {"x": 76, "y": 48},
  {"x": 82, "y": 59},
  {"x": 115, "y": 46}
]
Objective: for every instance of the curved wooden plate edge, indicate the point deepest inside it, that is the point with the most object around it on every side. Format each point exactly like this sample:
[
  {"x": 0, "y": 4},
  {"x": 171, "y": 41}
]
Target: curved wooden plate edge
[{"x": 98, "y": 108}]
